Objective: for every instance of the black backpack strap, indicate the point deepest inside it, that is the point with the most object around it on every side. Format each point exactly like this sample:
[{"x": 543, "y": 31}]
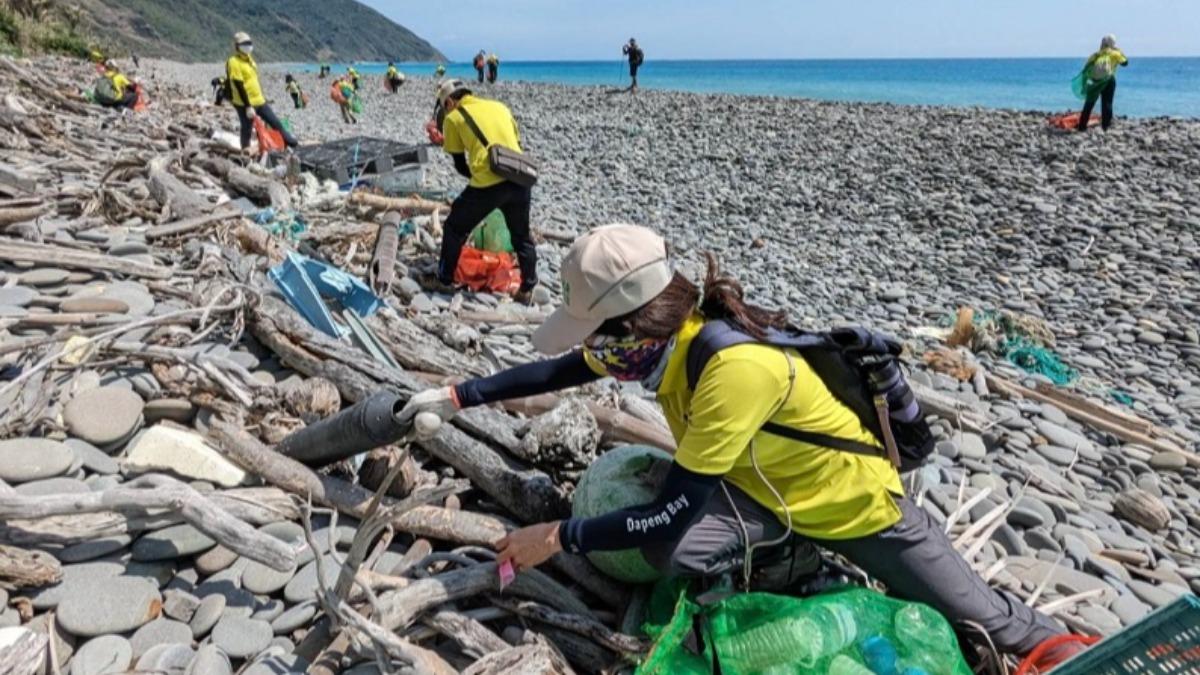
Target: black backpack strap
[
  {"x": 474, "y": 127},
  {"x": 823, "y": 440},
  {"x": 712, "y": 338}
]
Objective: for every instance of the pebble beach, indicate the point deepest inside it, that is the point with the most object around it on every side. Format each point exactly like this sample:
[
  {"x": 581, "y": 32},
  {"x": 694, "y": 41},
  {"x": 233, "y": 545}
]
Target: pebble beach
[{"x": 1046, "y": 286}]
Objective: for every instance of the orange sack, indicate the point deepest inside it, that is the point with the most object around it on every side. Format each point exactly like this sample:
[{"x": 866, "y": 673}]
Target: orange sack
[
  {"x": 488, "y": 271},
  {"x": 1068, "y": 121},
  {"x": 269, "y": 140}
]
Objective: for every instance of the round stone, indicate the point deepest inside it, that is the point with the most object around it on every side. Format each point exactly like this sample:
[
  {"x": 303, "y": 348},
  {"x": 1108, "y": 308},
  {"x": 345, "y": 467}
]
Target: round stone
[
  {"x": 294, "y": 618},
  {"x": 134, "y": 295},
  {"x": 27, "y": 459},
  {"x": 159, "y": 632},
  {"x": 171, "y": 659},
  {"x": 1168, "y": 461},
  {"x": 1058, "y": 455},
  {"x": 16, "y": 296},
  {"x": 52, "y": 486},
  {"x": 215, "y": 559},
  {"x": 174, "y": 409},
  {"x": 103, "y": 415},
  {"x": 93, "y": 548},
  {"x": 43, "y": 276},
  {"x": 94, "y": 305},
  {"x": 78, "y": 578},
  {"x": 102, "y": 655},
  {"x": 206, "y": 615},
  {"x": 1025, "y": 517},
  {"x": 117, "y": 605},
  {"x": 209, "y": 661},
  {"x": 304, "y": 585},
  {"x": 258, "y": 578},
  {"x": 241, "y": 638},
  {"x": 268, "y": 609},
  {"x": 176, "y": 541},
  {"x": 94, "y": 460}
]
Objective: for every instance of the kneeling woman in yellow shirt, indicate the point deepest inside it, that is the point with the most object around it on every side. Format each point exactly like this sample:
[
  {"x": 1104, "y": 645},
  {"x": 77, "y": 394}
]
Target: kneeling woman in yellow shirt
[{"x": 732, "y": 487}]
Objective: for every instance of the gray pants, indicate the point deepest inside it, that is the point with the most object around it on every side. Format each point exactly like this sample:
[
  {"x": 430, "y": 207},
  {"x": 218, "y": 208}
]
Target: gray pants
[{"x": 913, "y": 558}]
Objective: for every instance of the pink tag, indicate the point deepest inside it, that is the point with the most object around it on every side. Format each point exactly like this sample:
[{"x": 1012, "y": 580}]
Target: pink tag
[{"x": 506, "y": 574}]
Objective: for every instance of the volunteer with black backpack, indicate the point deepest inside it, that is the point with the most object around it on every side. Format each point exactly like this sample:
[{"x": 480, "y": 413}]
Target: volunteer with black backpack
[
  {"x": 245, "y": 92},
  {"x": 733, "y": 485},
  {"x": 114, "y": 90},
  {"x": 636, "y": 57},
  {"x": 471, "y": 127}
]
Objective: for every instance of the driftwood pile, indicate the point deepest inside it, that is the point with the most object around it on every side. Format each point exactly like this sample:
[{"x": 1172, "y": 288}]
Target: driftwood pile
[{"x": 127, "y": 272}]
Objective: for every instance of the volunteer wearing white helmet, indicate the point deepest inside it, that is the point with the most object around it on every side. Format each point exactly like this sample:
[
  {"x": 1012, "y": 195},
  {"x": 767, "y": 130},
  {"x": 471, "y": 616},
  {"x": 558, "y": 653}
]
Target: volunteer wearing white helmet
[
  {"x": 739, "y": 482},
  {"x": 470, "y": 126},
  {"x": 245, "y": 93},
  {"x": 1101, "y": 73}
]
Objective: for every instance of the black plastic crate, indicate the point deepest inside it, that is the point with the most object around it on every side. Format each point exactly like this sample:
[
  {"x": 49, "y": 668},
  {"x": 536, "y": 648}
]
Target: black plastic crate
[{"x": 344, "y": 159}]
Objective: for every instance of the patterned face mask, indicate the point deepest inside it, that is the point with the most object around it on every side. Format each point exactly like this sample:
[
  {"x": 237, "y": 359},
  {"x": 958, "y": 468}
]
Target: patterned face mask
[{"x": 627, "y": 359}]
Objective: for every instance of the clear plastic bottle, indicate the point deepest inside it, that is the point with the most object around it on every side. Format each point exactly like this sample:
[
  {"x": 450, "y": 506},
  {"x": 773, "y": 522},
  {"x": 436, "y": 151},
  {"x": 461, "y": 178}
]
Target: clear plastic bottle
[
  {"x": 928, "y": 643},
  {"x": 844, "y": 665},
  {"x": 792, "y": 641}
]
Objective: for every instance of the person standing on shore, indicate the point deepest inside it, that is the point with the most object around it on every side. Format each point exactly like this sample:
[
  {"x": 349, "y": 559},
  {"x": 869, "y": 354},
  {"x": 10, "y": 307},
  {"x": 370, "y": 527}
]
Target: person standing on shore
[
  {"x": 342, "y": 93},
  {"x": 627, "y": 314},
  {"x": 636, "y": 57},
  {"x": 1100, "y": 81},
  {"x": 293, "y": 90},
  {"x": 353, "y": 75},
  {"x": 245, "y": 92},
  {"x": 480, "y": 61},
  {"x": 468, "y": 120},
  {"x": 220, "y": 87},
  {"x": 440, "y": 71},
  {"x": 394, "y": 77},
  {"x": 493, "y": 68}
]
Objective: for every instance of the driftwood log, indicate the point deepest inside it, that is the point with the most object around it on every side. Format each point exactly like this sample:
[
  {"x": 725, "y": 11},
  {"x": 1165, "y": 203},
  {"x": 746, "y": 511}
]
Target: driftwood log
[
  {"x": 174, "y": 195},
  {"x": 411, "y": 204},
  {"x": 151, "y": 492},
  {"x": 534, "y": 659},
  {"x": 57, "y": 256},
  {"x": 23, "y": 652},
  {"x": 21, "y": 568}
]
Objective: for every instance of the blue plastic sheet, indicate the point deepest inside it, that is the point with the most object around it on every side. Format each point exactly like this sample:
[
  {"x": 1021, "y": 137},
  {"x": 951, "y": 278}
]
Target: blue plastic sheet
[{"x": 305, "y": 283}]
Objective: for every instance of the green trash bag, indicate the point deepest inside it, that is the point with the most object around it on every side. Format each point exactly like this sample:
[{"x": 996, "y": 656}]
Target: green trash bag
[
  {"x": 618, "y": 479},
  {"x": 854, "y": 631},
  {"x": 492, "y": 234},
  {"x": 356, "y": 104},
  {"x": 286, "y": 123},
  {"x": 1079, "y": 85}
]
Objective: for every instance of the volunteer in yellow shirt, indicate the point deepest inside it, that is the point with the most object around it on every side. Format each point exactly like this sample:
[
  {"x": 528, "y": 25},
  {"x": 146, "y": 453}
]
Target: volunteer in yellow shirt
[
  {"x": 394, "y": 78},
  {"x": 245, "y": 92},
  {"x": 468, "y": 121},
  {"x": 1101, "y": 71},
  {"x": 125, "y": 92},
  {"x": 733, "y": 488}
]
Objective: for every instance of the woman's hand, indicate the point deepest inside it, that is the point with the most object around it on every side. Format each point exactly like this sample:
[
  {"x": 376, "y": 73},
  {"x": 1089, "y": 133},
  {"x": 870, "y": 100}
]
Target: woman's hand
[{"x": 530, "y": 546}]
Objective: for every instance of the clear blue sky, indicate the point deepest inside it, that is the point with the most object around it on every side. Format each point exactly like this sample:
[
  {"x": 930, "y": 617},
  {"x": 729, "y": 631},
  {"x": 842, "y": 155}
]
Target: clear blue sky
[{"x": 728, "y": 29}]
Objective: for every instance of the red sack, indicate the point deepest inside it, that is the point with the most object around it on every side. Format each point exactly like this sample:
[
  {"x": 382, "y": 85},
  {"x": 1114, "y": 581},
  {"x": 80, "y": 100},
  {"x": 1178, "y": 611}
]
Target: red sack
[
  {"x": 487, "y": 271},
  {"x": 435, "y": 136},
  {"x": 269, "y": 140},
  {"x": 1068, "y": 121}
]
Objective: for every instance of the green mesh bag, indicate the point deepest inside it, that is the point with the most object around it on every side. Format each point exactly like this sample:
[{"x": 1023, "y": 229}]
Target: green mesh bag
[
  {"x": 492, "y": 234},
  {"x": 854, "y": 631}
]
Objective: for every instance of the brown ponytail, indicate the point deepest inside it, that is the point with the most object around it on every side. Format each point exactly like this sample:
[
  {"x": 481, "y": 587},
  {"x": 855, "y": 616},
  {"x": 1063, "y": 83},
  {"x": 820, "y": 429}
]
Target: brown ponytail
[
  {"x": 724, "y": 299},
  {"x": 663, "y": 316}
]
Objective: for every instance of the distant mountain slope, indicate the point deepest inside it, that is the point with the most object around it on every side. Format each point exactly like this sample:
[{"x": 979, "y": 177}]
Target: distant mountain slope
[{"x": 291, "y": 30}]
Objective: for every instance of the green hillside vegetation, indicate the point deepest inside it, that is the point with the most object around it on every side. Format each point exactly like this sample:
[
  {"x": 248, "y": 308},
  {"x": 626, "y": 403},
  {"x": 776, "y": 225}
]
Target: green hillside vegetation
[
  {"x": 296, "y": 30},
  {"x": 41, "y": 26}
]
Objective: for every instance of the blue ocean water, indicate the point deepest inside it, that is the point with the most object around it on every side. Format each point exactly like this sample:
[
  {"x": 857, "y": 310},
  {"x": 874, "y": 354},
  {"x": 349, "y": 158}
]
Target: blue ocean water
[{"x": 1149, "y": 87}]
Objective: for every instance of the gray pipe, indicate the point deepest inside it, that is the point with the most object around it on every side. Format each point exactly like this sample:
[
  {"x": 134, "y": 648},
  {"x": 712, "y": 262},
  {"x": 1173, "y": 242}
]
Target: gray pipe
[{"x": 364, "y": 426}]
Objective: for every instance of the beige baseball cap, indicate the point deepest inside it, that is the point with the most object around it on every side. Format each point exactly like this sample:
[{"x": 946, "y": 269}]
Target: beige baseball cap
[
  {"x": 448, "y": 88},
  {"x": 608, "y": 272}
]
